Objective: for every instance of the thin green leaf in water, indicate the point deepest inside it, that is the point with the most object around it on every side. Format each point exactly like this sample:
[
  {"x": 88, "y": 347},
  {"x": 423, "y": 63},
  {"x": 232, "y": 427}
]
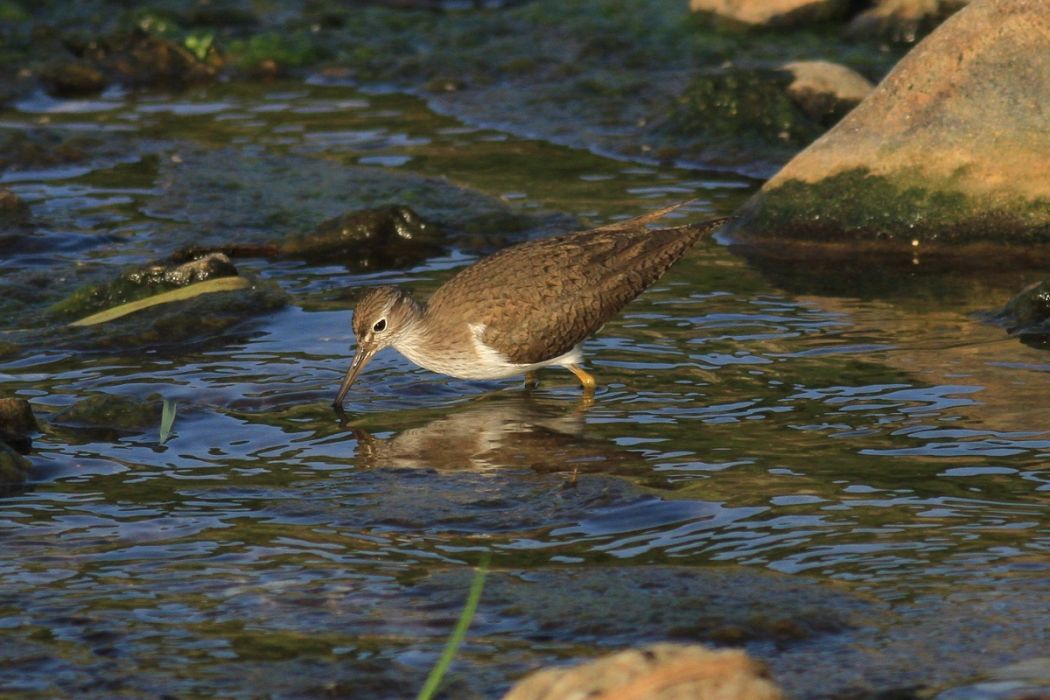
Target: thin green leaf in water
[
  {"x": 219, "y": 284},
  {"x": 456, "y": 638},
  {"x": 167, "y": 419}
]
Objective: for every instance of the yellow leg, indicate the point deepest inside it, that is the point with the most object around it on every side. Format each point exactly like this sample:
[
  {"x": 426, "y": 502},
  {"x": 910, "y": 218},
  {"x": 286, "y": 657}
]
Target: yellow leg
[
  {"x": 530, "y": 380},
  {"x": 585, "y": 379}
]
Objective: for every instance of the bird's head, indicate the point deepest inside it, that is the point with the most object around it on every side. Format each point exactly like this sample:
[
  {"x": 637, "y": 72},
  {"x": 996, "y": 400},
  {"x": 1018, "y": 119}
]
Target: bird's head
[{"x": 380, "y": 319}]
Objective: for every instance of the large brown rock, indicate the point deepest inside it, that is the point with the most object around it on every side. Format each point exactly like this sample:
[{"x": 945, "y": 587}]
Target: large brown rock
[
  {"x": 770, "y": 13},
  {"x": 656, "y": 672},
  {"x": 952, "y": 147}
]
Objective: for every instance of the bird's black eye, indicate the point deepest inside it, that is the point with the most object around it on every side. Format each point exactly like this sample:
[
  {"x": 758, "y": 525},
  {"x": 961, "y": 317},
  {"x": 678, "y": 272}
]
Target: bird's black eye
[{"x": 380, "y": 325}]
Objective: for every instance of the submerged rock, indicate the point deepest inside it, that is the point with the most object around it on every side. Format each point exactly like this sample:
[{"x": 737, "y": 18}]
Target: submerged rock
[
  {"x": 111, "y": 415},
  {"x": 385, "y": 237},
  {"x": 655, "y": 672},
  {"x": 952, "y": 147},
  {"x": 771, "y": 13}
]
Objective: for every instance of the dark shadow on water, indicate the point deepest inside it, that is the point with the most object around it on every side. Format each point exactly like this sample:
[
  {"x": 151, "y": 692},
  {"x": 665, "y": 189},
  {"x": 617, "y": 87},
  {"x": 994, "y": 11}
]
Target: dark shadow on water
[{"x": 901, "y": 276}]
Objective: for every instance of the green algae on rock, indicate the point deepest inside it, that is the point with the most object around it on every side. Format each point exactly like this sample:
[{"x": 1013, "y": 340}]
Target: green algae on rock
[
  {"x": 952, "y": 147},
  {"x": 861, "y": 206}
]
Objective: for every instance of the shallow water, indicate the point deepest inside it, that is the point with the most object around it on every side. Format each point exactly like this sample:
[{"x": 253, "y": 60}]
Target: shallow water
[{"x": 853, "y": 479}]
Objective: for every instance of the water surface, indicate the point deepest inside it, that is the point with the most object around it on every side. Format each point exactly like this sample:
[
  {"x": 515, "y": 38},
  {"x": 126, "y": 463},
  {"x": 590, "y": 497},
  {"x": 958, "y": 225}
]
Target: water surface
[{"x": 847, "y": 474}]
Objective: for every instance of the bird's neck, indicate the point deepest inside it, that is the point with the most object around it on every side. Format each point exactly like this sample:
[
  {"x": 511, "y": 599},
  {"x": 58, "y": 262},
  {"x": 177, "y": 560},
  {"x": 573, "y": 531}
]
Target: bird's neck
[{"x": 440, "y": 345}]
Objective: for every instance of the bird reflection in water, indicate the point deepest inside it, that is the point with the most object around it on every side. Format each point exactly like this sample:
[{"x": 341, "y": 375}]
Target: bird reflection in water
[{"x": 504, "y": 432}]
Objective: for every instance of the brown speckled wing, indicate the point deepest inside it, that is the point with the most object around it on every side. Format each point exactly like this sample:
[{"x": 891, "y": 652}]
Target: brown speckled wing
[{"x": 539, "y": 299}]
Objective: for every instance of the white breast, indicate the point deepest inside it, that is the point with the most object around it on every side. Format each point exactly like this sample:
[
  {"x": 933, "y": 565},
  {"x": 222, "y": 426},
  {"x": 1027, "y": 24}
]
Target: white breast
[{"x": 479, "y": 361}]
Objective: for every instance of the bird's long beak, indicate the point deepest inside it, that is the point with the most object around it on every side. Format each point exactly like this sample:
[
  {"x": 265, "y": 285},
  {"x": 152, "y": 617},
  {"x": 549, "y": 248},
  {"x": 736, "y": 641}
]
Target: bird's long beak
[{"x": 361, "y": 357}]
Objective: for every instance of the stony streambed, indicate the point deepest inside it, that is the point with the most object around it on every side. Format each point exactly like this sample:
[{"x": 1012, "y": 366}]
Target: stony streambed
[{"x": 838, "y": 466}]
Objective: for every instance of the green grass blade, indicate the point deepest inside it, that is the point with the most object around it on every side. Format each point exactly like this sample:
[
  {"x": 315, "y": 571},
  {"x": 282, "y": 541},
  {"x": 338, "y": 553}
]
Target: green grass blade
[
  {"x": 219, "y": 284},
  {"x": 456, "y": 638},
  {"x": 167, "y": 419}
]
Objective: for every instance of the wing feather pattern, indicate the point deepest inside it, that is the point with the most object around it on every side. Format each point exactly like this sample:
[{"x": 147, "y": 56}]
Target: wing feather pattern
[{"x": 539, "y": 299}]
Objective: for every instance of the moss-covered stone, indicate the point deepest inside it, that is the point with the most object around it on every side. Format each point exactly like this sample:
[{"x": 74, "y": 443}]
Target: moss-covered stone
[
  {"x": 737, "y": 109},
  {"x": 949, "y": 148},
  {"x": 859, "y": 206}
]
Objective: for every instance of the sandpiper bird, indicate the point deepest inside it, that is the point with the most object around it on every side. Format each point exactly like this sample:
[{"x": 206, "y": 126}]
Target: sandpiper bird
[{"x": 525, "y": 307}]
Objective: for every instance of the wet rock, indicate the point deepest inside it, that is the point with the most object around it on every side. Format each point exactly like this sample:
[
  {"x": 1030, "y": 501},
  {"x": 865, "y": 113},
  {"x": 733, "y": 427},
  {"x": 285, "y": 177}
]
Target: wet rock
[
  {"x": 826, "y": 91},
  {"x": 952, "y": 147},
  {"x": 655, "y": 672},
  {"x": 771, "y": 13},
  {"x": 138, "y": 59},
  {"x": 16, "y": 416},
  {"x": 16, "y": 423},
  {"x": 735, "y": 113},
  {"x": 72, "y": 78},
  {"x": 385, "y": 237},
  {"x": 903, "y": 20},
  {"x": 1025, "y": 680},
  {"x": 144, "y": 282},
  {"x": 14, "y": 468},
  {"x": 1027, "y": 315}
]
